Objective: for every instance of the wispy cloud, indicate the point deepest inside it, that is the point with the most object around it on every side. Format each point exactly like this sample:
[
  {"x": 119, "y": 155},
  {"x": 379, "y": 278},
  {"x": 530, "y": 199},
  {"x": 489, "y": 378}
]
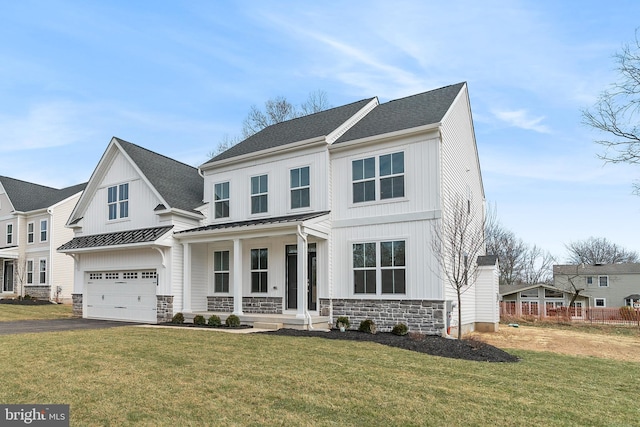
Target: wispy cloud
[{"x": 523, "y": 120}]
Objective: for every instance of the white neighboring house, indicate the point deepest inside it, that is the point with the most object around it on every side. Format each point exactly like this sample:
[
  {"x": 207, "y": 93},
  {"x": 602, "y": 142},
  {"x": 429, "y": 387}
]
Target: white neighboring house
[
  {"x": 127, "y": 264},
  {"x": 326, "y": 215},
  {"x": 32, "y": 225}
]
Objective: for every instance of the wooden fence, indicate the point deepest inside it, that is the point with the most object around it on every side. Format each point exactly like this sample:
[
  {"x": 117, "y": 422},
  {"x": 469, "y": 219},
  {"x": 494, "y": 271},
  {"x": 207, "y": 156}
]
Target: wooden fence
[{"x": 511, "y": 311}]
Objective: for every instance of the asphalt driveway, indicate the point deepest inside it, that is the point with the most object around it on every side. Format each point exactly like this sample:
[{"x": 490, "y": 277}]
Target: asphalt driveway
[{"x": 35, "y": 326}]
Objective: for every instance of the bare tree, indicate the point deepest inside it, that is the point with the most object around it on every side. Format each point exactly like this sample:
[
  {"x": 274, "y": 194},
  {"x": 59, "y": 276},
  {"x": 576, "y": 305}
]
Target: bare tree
[
  {"x": 317, "y": 101},
  {"x": 20, "y": 266},
  {"x": 617, "y": 111},
  {"x": 537, "y": 266},
  {"x": 572, "y": 287},
  {"x": 458, "y": 240},
  {"x": 599, "y": 250},
  {"x": 225, "y": 143}
]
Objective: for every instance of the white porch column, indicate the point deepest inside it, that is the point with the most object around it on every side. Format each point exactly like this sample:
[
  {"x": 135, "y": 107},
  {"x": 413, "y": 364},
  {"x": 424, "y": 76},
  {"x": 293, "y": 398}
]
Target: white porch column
[
  {"x": 186, "y": 277},
  {"x": 302, "y": 276},
  {"x": 237, "y": 277}
]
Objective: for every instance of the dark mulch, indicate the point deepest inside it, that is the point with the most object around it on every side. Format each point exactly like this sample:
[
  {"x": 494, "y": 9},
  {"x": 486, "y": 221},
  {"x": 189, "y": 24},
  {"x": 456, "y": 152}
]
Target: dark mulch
[
  {"x": 26, "y": 302},
  {"x": 192, "y": 325},
  {"x": 434, "y": 345}
]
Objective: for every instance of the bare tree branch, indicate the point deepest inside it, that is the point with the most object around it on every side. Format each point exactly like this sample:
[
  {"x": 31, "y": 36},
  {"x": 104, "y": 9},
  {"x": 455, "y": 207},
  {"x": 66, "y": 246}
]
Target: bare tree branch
[{"x": 599, "y": 250}]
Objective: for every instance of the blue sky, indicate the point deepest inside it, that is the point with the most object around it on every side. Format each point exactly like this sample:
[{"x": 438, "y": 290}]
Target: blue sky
[{"x": 176, "y": 77}]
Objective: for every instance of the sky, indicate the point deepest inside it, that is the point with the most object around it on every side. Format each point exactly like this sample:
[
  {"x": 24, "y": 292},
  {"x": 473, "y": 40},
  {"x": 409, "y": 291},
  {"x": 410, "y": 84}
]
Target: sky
[{"x": 179, "y": 77}]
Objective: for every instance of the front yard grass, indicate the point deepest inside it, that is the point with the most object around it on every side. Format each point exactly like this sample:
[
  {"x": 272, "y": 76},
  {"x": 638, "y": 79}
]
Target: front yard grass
[
  {"x": 142, "y": 376},
  {"x": 11, "y": 312}
]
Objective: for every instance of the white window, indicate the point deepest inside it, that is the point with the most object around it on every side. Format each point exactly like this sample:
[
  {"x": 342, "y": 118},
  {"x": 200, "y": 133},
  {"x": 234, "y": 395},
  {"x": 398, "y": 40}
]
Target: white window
[
  {"x": 603, "y": 281},
  {"x": 259, "y": 193},
  {"x": 43, "y": 271},
  {"x": 390, "y": 177},
  {"x": 259, "y": 269},
  {"x": 221, "y": 271},
  {"x": 589, "y": 280},
  {"x": 221, "y": 202},
  {"x": 600, "y": 302},
  {"x": 30, "y": 272},
  {"x": 30, "y": 232},
  {"x": 43, "y": 230},
  {"x": 379, "y": 265},
  {"x": 300, "y": 197},
  {"x": 118, "y": 201},
  {"x": 9, "y": 234}
]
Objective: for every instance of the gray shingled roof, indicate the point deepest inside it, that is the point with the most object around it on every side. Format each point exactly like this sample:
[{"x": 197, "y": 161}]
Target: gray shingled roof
[
  {"x": 179, "y": 184},
  {"x": 26, "y": 196},
  {"x": 260, "y": 221},
  {"x": 487, "y": 260},
  {"x": 405, "y": 113},
  {"x": 290, "y": 131},
  {"x": 145, "y": 235},
  {"x": 627, "y": 268}
]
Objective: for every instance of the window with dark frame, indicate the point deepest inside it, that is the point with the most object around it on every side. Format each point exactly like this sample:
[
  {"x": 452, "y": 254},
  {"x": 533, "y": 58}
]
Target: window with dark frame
[
  {"x": 603, "y": 281},
  {"x": 221, "y": 202},
  {"x": 43, "y": 271},
  {"x": 118, "y": 201},
  {"x": 364, "y": 268},
  {"x": 392, "y": 265},
  {"x": 30, "y": 232},
  {"x": 9, "y": 234},
  {"x": 259, "y": 270},
  {"x": 363, "y": 174},
  {"x": 259, "y": 194},
  {"x": 600, "y": 302},
  {"x": 43, "y": 230},
  {"x": 221, "y": 271},
  {"x": 300, "y": 197},
  {"x": 392, "y": 175},
  {"x": 30, "y": 271}
]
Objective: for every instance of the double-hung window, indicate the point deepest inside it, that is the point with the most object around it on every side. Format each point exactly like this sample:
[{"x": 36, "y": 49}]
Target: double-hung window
[
  {"x": 364, "y": 268},
  {"x": 379, "y": 266},
  {"x": 118, "y": 201},
  {"x": 259, "y": 270},
  {"x": 221, "y": 271},
  {"x": 221, "y": 201},
  {"x": 603, "y": 281},
  {"x": 300, "y": 188},
  {"x": 30, "y": 272},
  {"x": 43, "y": 230},
  {"x": 9, "y": 234},
  {"x": 30, "y": 232},
  {"x": 387, "y": 183},
  {"x": 392, "y": 264},
  {"x": 43, "y": 271},
  {"x": 259, "y": 194}
]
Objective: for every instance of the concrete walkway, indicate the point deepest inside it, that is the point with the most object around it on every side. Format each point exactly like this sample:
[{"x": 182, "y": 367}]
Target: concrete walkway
[{"x": 36, "y": 326}]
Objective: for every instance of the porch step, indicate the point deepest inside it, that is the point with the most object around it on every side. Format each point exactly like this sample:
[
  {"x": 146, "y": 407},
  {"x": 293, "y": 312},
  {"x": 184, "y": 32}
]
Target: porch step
[{"x": 267, "y": 325}]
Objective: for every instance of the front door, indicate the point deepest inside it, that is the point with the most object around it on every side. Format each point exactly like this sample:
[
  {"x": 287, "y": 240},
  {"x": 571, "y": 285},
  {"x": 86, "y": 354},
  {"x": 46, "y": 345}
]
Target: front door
[
  {"x": 292, "y": 277},
  {"x": 7, "y": 282}
]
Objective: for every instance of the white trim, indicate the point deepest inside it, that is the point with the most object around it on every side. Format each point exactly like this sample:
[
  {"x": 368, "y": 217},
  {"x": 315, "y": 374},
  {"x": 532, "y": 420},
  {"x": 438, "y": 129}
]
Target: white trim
[
  {"x": 33, "y": 233},
  {"x": 46, "y": 231},
  {"x": 595, "y": 302},
  {"x": 378, "y": 269},
  {"x": 387, "y": 219}
]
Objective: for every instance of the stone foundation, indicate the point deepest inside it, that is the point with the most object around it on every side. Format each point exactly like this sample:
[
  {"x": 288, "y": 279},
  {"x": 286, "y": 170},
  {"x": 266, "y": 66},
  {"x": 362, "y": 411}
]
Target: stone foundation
[
  {"x": 263, "y": 305},
  {"x": 38, "y": 292},
  {"x": 77, "y": 304},
  {"x": 164, "y": 306},
  {"x": 424, "y": 316},
  {"x": 220, "y": 304}
]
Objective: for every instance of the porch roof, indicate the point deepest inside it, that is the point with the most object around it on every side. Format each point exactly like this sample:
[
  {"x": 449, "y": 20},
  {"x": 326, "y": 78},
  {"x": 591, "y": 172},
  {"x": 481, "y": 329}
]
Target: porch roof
[
  {"x": 10, "y": 252},
  {"x": 120, "y": 238},
  {"x": 254, "y": 223}
]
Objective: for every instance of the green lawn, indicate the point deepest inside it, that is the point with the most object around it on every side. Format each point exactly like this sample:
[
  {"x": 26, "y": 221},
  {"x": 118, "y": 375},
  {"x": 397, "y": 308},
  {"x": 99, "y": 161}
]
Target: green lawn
[
  {"x": 142, "y": 376},
  {"x": 10, "y": 312}
]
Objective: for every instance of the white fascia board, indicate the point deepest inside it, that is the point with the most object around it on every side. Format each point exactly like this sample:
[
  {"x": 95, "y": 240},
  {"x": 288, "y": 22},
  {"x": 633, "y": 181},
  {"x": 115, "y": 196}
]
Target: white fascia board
[
  {"x": 143, "y": 245},
  {"x": 180, "y": 212},
  {"x": 264, "y": 153},
  {"x": 374, "y": 139}
]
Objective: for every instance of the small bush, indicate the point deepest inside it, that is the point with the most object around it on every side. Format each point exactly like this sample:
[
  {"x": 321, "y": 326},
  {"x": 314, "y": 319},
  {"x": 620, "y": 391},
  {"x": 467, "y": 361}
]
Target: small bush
[
  {"x": 628, "y": 313},
  {"x": 214, "y": 321},
  {"x": 400, "y": 329},
  {"x": 344, "y": 320},
  {"x": 368, "y": 326},
  {"x": 199, "y": 320},
  {"x": 232, "y": 321},
  {"x": 178, "y": 318},
  {"x": 26, "y": 297}
]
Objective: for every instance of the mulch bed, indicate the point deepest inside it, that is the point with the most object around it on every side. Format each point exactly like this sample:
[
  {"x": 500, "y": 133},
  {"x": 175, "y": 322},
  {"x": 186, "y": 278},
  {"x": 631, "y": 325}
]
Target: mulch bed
[
  {"x": 26, "y": 302},
  {"x": 434, "y": 345},
  {"x": 192, "y": 325}
]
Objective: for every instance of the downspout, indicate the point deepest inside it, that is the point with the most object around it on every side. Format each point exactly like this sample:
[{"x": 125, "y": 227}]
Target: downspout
[
  {"x": 303, "y": 236},
  {"x": 50, "y": 262}
]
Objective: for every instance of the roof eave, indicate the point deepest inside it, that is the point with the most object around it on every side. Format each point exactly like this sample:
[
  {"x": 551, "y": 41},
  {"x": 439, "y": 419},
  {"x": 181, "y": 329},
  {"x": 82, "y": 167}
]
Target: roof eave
[{"x": 385, "y": 136}]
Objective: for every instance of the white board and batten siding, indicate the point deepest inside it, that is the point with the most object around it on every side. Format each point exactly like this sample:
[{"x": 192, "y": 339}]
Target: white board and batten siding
[{"x": 62, "y": 266}]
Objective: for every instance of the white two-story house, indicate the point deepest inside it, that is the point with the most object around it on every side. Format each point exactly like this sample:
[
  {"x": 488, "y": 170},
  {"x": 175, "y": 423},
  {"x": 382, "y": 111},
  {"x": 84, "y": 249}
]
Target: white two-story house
[
  {"x": 32, "y": 226},
  {"x": 326, "y": 215}
]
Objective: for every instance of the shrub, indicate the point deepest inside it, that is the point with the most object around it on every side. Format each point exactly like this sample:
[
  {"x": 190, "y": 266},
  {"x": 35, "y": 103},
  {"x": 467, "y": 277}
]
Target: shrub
[
  {"x": 199, "y": 320},
  {"x": 178, "y": 318},
  {"x": 628, "y": 313},
  {"x": 400, "y": 329},
  {"x": 214, "y": 320},
  {"x": 368, "y": 326},
  {"x": 26, "y": 297},
  {"x": 232, "y": 321},
  {"x": 344, "y": 320}
]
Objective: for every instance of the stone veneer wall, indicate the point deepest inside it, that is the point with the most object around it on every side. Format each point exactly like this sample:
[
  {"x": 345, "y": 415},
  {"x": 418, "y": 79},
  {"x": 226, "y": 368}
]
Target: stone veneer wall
[
  {"x": 220, "y": 304},
  {"x": 39, "y": 292},
  {"x": 263, "y": 305},
  {"x": 164, "y": 306},
  {"x": 77, "y": 304},
  {"x": 424, "y": 316}
]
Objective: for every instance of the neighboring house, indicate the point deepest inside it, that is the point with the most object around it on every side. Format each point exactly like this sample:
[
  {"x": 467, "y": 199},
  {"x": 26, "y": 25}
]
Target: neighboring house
[
  {"x": 32, "y": 226},
  {"x": 539, "y": 300},
  {"x": 321, "y": 216},
  {"x": 128, "y": 266},
  {"x": 607, "y": 285}
]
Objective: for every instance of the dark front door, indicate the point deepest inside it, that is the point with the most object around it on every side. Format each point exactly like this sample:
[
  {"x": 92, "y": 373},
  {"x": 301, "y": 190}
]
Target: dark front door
[
  {"x": 7, "y": 285},
  {"x": 292, "y": 277}
]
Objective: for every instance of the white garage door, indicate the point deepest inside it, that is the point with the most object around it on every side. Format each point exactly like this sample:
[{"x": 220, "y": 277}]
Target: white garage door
[{"x": 121, "y": 295}]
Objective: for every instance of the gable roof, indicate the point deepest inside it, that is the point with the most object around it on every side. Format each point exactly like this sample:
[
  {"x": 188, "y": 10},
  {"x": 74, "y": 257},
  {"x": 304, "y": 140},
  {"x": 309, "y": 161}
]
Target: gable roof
[
  {"x": 512, "y": 289},
  {"x": 625, "y": 268},
  {"x": 294, "y": 130},
  {"x": 27, "y": 196},
  {"x": 179, "y": 184},
  {"x": 405, "y": 113}
]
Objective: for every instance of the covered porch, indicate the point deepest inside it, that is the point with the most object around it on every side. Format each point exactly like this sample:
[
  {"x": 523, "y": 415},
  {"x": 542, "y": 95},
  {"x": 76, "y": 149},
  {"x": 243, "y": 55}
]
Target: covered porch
[
  {"x": 8, "y": 260},
  {"x": 268, "y": 272}
]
